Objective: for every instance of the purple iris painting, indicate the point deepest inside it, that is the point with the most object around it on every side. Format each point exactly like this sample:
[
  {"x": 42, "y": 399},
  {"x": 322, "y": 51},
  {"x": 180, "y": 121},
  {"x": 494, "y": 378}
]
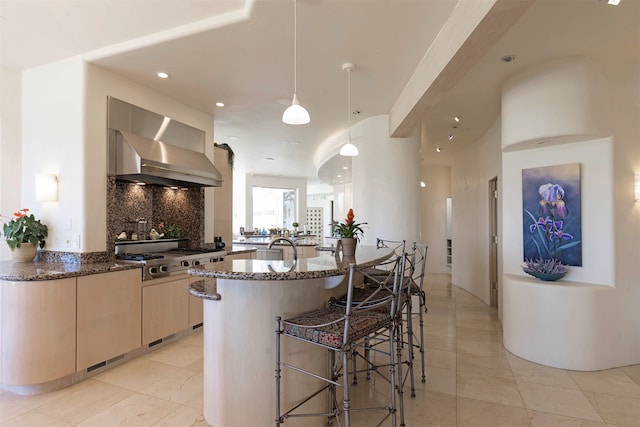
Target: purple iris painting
[{"x": 551, "y": 213}]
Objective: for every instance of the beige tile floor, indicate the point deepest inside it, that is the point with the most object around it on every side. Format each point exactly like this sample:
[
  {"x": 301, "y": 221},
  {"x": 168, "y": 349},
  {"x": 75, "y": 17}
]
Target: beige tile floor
[{"x": 472, "y": 381}]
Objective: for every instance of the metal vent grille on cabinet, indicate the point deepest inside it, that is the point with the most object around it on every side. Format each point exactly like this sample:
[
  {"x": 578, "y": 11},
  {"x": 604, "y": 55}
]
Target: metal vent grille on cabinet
[{"x": 315, "y": 223}]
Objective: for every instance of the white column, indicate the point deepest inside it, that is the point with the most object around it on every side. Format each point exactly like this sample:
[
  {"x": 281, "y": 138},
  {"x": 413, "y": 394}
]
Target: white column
[{"x": 386, "y": 182}]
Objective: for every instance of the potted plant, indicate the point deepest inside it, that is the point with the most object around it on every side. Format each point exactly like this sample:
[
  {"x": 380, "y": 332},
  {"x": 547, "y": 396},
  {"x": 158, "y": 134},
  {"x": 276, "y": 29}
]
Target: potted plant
[
  {"x": 349, "y": 233},
  {"x": 24, "y": 228}
]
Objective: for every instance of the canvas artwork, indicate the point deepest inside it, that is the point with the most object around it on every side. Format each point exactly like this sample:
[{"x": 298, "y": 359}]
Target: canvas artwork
[{"x": 551, "y": 214}]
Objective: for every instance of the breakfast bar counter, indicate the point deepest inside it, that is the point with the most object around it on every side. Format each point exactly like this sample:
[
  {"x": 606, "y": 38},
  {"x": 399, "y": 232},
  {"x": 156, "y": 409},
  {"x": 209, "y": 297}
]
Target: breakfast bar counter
[{"x": 240, "y": 308}]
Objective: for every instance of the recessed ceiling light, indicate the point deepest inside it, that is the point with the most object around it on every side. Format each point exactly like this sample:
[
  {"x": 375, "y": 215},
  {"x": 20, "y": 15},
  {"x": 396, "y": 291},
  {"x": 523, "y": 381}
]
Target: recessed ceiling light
[
  {"x": 508, "y": 58},
  {"x": 163, "y": 75},
  {"x": 423, "y": 184},
  {"x": 450, "y": 137},
  {"x": 338, "y": 176},
  {"x": 456, "y": 119},
  {"x": 613, "y": 2},
  {"x": 438, "y": 149},
  {"x": 219, "y": 104},
  {"x": 345, "y": 167},
  {"x": 233, "y": 137}
]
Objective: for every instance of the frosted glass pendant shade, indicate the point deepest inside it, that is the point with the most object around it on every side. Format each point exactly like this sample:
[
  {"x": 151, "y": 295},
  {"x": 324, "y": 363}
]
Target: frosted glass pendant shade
[
  {"x": 296, "y": 113},
  {"x": 349, "y": 149}
]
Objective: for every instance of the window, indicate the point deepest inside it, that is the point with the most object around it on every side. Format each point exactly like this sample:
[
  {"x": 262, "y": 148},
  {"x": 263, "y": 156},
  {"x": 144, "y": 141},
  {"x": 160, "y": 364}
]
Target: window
[{"x": 274, "y": 207}]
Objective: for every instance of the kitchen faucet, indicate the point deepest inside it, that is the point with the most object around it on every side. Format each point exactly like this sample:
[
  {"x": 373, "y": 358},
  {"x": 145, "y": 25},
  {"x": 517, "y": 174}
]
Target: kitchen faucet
[{"x": 285, "y": 239}]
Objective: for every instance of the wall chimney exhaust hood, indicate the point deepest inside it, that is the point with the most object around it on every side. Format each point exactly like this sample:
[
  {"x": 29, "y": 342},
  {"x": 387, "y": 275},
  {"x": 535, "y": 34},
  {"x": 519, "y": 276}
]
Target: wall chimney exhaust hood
[{"x": 153, "y": 149}]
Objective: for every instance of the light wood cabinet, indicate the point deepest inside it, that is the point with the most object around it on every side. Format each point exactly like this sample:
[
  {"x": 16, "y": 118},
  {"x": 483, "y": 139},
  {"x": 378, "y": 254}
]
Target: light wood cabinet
[
  {"x": 165, "y": 308},
  {"x": 38, "y": 331},
  {"x": 307, "y": 252},
  {"x": 109, "y": 316},
  {"x": 243, "y": 255}
]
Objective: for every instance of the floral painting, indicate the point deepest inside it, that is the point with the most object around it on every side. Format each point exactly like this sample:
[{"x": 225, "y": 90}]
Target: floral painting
[{"x": 551, "y": 213}]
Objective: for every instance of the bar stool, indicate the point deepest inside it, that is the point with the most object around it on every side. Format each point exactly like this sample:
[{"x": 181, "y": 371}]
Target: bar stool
[
  {"x": 413, "y": 283},
  {"x": 342, "y": 330}
]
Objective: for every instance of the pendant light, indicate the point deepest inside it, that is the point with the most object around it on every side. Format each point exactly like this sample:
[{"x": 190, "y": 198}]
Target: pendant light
[
  {"x": 348, "y": 149},
  {"x": 295, "y": 114}
]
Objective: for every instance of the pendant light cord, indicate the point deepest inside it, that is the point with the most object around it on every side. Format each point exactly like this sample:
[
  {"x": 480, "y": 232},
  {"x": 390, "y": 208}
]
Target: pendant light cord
[
  {"x": 349, "y": 104},
  {"x": 295, "y": 46}
]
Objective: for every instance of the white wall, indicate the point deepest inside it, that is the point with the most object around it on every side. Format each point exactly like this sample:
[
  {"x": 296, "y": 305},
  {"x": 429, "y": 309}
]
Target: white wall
[
  {"x": 388, "y": 172},
  {"x": 595, "y": 158},
  {"x": 434, "y": 216},
  {"x": 472, "y": 170},
  {"x": 53, "y": 141},
  {"x": 10, "y": 147},
  {"x": 64, "y": 121},
  {"x": 589, "y": 320}
]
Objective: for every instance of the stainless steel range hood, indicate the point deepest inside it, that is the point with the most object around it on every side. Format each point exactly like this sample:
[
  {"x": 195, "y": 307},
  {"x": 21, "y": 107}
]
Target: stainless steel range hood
[{"x": 149, "y": 148}]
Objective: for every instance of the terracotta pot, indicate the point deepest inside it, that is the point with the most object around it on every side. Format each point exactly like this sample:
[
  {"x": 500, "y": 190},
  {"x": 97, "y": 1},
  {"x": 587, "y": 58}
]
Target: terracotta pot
[
  {"x": 348, "y": 245},
  {"x": 25, "y": 253}
]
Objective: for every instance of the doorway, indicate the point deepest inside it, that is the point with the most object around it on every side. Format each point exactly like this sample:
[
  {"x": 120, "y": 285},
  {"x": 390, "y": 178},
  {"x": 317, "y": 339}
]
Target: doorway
[{"x": 493, "y": 240}]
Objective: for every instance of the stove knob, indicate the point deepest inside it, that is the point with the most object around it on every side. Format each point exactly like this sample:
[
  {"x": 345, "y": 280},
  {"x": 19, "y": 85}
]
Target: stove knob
[
  {"x": 213, "y": 259},
  {"x": 196, "y": 262},
  {"x": 163, "y": 269},
  {"x": 221, "y": 259},
  {"x": 184, "y": 263},
  {"x": 153, "y": 270}
]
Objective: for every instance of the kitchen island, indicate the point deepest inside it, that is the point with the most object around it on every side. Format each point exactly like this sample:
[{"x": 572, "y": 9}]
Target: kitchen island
[{"x": 240, "y": 308}]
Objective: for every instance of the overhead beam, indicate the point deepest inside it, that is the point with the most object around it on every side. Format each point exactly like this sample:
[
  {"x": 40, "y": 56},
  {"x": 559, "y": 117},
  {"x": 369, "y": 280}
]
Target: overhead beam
[{"x": 473, "y": 27}]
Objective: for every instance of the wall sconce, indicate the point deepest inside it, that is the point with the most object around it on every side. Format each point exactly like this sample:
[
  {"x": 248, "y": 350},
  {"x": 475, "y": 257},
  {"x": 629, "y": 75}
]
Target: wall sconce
[
  {"x": 637, "y": 186},
  {"x": 46, "y": 187}
]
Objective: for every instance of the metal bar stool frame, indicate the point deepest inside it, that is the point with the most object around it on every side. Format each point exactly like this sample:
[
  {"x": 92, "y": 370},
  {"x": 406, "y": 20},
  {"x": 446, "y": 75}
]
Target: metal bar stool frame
[{"x": 356, "y": 322}]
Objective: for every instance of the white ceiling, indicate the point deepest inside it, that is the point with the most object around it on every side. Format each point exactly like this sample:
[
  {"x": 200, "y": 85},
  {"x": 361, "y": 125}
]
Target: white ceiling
[{"x": 241, "y": 53}]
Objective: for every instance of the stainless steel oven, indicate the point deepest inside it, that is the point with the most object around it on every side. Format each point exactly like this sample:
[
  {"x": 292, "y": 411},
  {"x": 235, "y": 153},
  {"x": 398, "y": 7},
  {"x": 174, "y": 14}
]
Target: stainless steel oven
[{"x": 164, "y": 258}]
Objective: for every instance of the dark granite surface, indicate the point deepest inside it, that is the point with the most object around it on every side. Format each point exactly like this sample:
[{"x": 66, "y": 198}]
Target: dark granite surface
[
  {"x": 322, "y": 266},
  {"x": 205, "y": 289},
  {"x": 29, "y": 271},
  {"x": 264, "y": 241}
]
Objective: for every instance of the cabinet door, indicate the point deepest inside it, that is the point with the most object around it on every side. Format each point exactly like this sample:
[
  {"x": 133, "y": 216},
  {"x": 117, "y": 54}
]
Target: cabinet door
[
  {"x": 38, "y": 331},
  {"x": 165, "y": 309},
  {"x": 287, "y": 252},
  {"x": 109, "y": 316},
  {"x": 307, "y": 252}
]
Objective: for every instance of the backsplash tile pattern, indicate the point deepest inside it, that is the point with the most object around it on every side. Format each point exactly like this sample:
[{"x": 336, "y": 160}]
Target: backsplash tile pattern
[
  {"x": 127, "y": 203},
  {"x": 58, "y": 257}
]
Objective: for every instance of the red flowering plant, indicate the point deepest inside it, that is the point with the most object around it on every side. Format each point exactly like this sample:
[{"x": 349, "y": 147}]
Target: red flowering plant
[
  {"x": 24, "y": 228},
  {"x": 349, "y": 228}
]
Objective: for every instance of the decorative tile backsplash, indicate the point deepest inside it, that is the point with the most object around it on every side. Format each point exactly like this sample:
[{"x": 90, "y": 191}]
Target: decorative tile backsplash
[{"x": 127, "y": 204}]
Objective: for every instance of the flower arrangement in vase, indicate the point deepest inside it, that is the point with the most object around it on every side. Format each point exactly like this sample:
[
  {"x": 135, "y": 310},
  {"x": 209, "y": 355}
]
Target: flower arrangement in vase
[
  {"x": 24, "y": 228},
  {"x": 349, "y": 233}
]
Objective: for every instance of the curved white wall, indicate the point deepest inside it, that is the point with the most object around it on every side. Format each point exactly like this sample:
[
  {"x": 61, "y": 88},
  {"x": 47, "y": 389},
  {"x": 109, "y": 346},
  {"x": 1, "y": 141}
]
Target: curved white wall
[
  {"x": 386, "y": 182},
  {"x": 565, "y": 101},
  {"x": 588, "y": 321}
]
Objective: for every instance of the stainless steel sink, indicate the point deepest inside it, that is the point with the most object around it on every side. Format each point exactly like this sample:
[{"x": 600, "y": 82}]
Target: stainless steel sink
[{"x": 269, "y": 254}]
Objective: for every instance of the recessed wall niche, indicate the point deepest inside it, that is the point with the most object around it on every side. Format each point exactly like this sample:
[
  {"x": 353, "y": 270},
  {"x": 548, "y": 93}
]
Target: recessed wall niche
[{"x": 128, "y": 203}]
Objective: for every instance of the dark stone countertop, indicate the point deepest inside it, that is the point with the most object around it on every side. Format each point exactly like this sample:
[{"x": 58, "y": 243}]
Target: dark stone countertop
[
  {"x": 32, "y": 271},
  {"x": 323, "y": 266}
]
